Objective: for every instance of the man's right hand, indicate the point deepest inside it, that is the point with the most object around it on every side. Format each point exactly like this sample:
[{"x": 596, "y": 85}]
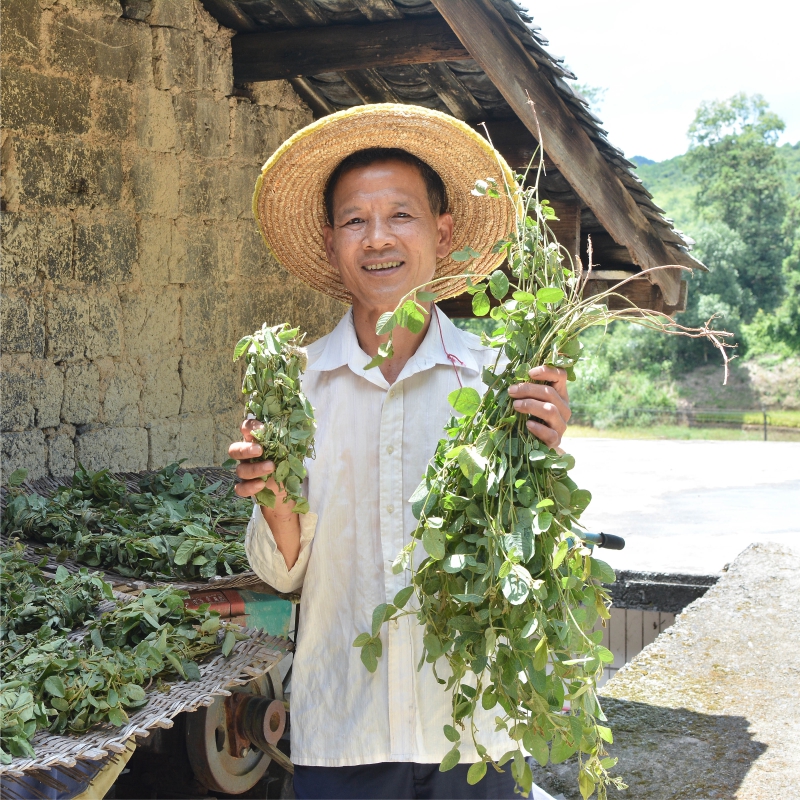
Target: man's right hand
[{"x": 254, "y": 475}]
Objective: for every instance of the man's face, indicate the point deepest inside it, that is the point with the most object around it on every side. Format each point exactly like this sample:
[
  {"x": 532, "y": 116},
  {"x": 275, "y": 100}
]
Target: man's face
[{"x": 385, "y": 239}]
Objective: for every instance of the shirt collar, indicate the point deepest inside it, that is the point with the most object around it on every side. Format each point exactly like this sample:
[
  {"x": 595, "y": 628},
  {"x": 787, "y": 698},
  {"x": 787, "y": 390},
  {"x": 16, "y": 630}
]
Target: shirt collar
[{"x": 342, "y": 348}]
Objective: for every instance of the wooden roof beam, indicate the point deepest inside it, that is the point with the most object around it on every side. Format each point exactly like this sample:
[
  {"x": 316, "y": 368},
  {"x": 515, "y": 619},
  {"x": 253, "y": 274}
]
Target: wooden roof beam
[
  {"x": 370, "y": 86},
  {"x": 273, "y": 55},
  {"x": 482, "y": 30},
  {"x": 453, "y": 93}
]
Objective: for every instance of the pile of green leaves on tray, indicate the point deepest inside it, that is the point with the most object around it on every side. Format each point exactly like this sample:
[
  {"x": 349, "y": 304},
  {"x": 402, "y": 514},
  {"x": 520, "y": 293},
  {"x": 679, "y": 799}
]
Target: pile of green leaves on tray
[
  {"x": 67, "y": 684},
  {"x": 275, "y": 361},
  {"x": 508, "y": 593},
  {"x": 175, "y": 527}
]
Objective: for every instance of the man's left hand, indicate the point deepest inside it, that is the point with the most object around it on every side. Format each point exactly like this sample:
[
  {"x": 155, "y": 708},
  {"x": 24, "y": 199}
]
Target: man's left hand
[{"x": 547, "y": 400}]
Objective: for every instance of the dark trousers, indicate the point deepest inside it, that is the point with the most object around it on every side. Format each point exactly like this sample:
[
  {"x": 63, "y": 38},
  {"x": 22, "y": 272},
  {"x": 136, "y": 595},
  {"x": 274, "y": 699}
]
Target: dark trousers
[{"x": 393, "y": 781}]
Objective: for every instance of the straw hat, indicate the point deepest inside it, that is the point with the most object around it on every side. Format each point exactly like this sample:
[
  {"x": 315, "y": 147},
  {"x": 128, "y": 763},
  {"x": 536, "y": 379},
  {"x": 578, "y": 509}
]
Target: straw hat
[{"x": 288, "y": 199}]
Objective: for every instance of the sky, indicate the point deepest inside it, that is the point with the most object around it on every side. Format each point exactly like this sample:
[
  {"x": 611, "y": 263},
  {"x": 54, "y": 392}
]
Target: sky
[{"x": 659, "y": 61}]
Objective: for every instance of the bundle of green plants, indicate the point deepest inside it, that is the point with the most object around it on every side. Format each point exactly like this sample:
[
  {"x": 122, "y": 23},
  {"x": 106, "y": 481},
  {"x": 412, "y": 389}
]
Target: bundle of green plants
[
  {"x": 175, "y": 527},
  {"x": 275, "y": 361},
  {"x": 66, "y": 684},
  {"x": 508, "y": 593}
]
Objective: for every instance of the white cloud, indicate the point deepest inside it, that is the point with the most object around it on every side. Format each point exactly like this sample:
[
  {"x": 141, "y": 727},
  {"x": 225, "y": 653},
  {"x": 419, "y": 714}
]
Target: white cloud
[{"x": 659, "y": 61}]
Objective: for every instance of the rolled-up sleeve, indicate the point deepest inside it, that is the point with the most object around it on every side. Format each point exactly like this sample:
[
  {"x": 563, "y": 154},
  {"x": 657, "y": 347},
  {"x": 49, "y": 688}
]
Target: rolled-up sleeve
[{"x": 268, "y": 562}]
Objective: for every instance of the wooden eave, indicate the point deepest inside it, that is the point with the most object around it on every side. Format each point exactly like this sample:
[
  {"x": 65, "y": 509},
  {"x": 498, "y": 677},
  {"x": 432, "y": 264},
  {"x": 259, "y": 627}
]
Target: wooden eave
[{"x": 481, "y": 61}]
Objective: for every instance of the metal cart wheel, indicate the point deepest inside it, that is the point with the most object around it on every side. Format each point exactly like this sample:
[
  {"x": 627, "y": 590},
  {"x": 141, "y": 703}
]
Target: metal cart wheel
[{"x": 223, "y": 741}]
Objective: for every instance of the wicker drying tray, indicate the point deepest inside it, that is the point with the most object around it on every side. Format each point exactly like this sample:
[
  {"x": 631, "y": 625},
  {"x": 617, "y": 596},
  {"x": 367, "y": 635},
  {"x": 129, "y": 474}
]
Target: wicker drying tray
[
  {"x": 250, "y": 659},
  {"x": 49, "y": 486}
]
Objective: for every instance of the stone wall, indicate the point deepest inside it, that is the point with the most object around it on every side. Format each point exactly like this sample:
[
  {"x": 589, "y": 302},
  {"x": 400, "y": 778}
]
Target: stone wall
[{"x": 131, "y": 261}]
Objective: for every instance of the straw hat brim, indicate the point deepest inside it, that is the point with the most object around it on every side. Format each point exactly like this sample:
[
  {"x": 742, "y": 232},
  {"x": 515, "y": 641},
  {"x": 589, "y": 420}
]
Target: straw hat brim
[{"x": 288, "y": 200}]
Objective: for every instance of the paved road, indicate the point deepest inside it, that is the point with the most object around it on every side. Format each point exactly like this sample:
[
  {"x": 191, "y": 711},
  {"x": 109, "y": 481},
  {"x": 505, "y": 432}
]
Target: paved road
[{"x": 689, "y": 506}]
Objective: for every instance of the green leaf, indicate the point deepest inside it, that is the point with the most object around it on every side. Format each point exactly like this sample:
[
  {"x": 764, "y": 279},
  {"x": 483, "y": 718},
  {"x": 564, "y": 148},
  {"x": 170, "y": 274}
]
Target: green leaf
[
  {"x": 560, "y": 750},
  {"x": 537, "y": 746},
  {"x": 480, "y": 304},
  {"x": 241, "y": 347},
  {"x": 362, "y": 639},
  {"x": 524, "y": 297},
  {"x": 464, "y": 255},
  {"x": 116, "y": 716},
  {"x": 516, "y": 585},
  {"x": 498, "y": 284},
  {"x": 62, "y": 573},
  {"x": 369, "y": 656},
  {"x": 476, "y": 772},
  {"x": 472, "y": 463},
  {"x": 585, "y": 784},
  {"x": 228, "y": 643},
  {"x": 433, "y": 542},
  {"x": 579, "y": 500},
  {"x": 549, "y": 294},
  {"x": 386, "y": 323},
  {"x": 17, "y": 478},
  {"x": 54, "y": 685},
  {"x": 184, "y": 552},
  {"x": 378, "y": 616},
  {"x": 605, "y": 734},
  {"x": 402, "y": 597},
  {"x": 603, "y": 571},
  {"x": 426, "y": 297},
  {"x": 451, "y": 733},
  {"x": 450, "y": 760},
  {"x": 465, "y": 400},
  {"x": 560, "y": 554}
]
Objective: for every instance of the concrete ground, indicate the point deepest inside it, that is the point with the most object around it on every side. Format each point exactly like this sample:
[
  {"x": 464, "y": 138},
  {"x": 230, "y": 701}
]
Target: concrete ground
[{"x": 689, "y": 506}]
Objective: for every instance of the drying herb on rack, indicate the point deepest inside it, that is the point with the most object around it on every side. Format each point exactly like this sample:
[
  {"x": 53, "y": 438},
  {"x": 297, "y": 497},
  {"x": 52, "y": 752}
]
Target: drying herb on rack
[
  {"x": 66, "y": 683},
  {"x": 275, "y": 361},
  {"x": 508, "y": 593},
  {"x": 175, "y": 527}
]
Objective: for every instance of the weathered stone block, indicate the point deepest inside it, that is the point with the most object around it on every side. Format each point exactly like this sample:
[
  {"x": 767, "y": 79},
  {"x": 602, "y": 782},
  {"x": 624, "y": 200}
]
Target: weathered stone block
[
  {"x": 22, "y": 322},
  {"x": 104, "y": 336},
  {"x": 276, "y": 94},
  {"x": 16, "y": 408},
  {"x": 63, "y": 173},
  {"x": 214, "y": 63},
  {"x": 172, "y": 14},
  {"x": 106, "y": 251},
  {"x": 204, "y": 190},
  {"x": 205, "y": 124},
  {"x": 26, "y": 450},
  {"x": 196, "y": 251},
  {"x": 151, "y": 321},
  {"x": 137, "y": 9},
  {"x": 161, "y": 389},
  {"x": 155, "y": 184},
  {"x": 47, "y": 392},
  {"x": 111, "y": 48},
  {"x": 226, "y": 431},
  {"x": 31, "y": 100},
  {"x": 19, "y": 33},
  {"x": 315, "y": 312},
  {"x": 111, "y": 109},
  {"x": 205, "y": 317},
  {"x": 241, "y": 182},
  {"x": 173, "y": 62},
  {"x": 67, "y": 322},
  {"x": 253, "y": 259},
  {"x": 157, "y": 250},
  {"x": 156, "y": 127},
  {"x": 116, "y": 449},
  {"x": 191, "y": 438},
  {"x": 61, "y": 456},
  {"x": 33, "y": 243},
  {"x": 251, "y": 134},
  {"x": 119, "y": 386},
  {"x": 81, "y": 403},
  {"x": 209, "y": 382}
]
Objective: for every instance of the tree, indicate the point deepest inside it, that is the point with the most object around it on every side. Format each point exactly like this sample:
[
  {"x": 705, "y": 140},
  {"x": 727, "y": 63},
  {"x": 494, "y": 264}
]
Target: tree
[{"x": 740, "y": 173}]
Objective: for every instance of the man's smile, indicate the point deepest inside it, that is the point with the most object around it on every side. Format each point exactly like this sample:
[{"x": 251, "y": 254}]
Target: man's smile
[{"x": 383, "y": 265}]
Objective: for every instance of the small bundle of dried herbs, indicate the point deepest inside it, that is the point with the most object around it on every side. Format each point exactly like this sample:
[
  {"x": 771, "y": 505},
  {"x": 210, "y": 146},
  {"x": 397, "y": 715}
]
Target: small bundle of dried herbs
[
  {"x": 175, "y": 527},
  {"x": 275, "y": 361},
  {"x": 508, "y": 593},
  {"x": 67, "y": 684}
]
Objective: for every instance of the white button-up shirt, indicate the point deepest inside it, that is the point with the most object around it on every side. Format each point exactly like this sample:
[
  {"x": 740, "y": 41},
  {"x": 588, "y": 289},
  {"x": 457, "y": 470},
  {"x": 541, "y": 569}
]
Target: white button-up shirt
[{"x": 373, "y": 443}]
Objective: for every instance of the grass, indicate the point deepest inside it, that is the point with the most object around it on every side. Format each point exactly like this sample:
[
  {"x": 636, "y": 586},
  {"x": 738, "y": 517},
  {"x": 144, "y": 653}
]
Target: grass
[{"x": 681, "y": 432}]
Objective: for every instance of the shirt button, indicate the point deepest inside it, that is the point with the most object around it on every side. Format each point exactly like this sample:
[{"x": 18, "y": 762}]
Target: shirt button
[
  {"x": 390, "y": 449},
  {"x": 390, "y": 509}
]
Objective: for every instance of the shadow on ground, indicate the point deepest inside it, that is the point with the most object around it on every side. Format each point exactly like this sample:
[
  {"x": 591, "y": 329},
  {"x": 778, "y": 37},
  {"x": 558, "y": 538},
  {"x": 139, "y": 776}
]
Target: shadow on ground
[{"x": 667, "y": 754}]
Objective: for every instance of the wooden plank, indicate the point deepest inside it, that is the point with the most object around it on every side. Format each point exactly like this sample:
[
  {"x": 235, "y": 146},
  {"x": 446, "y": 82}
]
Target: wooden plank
[
  {"x": 378, "y": 10},
  {"x": 633, "y": 633},
  {"x": 315, "y": 100},
  {"x": 300, "y": 13},
  {"x": 616, "y": 639},
  {"x": 567, "y": 228},
  {"x": 271, "y": 55},
  {"x": 649, "y": 627},
  {"x": 493, "y": 45},
  {"x": 453, "y": 93},
  {"x": 228, "y": 13},
  {"x": 370, "y": 86}
]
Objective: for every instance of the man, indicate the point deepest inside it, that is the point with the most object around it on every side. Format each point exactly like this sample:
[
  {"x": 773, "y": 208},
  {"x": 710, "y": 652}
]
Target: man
[{"x": 367, "y": 205}]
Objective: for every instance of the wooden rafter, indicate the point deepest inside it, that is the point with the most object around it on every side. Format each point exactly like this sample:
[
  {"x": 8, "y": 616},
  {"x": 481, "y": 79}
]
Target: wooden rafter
[
  {"x": 230, "y": 15},
  {"x": 378, "y": 10},
  {"x": 313, "y": 98},
  {"x": 452, "y": 92},
  {"x": 272, "y": 55},
  {"x": 370, "y": 86},
  {"x": 482, "y": 30}
]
